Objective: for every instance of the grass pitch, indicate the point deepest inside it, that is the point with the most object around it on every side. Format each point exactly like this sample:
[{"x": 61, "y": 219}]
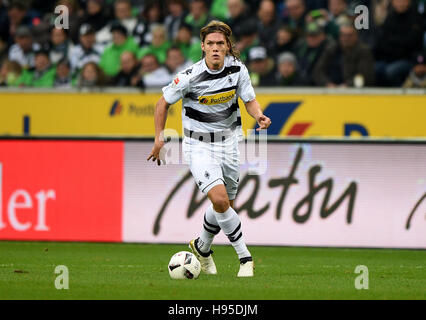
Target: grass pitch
[{"x": 139, "y": 271}]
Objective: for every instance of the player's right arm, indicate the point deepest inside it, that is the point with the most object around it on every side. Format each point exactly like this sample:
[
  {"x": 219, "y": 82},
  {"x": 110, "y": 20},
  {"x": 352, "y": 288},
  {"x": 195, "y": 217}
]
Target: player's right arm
[
  {"x": 171, "y": 94},
  {"x": 160, "y": 117}
]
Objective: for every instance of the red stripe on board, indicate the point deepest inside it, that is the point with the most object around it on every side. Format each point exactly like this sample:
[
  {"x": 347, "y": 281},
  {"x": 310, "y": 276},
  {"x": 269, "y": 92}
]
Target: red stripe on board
[{"x": 298, "y": 129}]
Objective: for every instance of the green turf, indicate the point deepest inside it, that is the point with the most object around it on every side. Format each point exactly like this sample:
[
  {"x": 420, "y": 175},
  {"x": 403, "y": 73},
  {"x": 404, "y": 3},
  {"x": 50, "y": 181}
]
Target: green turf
[{"x": 139, "y": 271}]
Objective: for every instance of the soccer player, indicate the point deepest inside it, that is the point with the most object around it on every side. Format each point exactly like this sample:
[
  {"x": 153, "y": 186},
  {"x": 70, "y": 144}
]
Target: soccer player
[{"x": 209, "y": 90}]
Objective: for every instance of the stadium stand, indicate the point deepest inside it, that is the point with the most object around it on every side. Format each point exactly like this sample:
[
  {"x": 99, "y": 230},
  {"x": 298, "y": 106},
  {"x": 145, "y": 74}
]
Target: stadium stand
[{"x": 305, "y": 33}]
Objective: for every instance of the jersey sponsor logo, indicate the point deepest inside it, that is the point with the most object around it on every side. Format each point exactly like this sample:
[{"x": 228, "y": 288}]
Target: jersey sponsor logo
[{"x": 217, "y": 98}]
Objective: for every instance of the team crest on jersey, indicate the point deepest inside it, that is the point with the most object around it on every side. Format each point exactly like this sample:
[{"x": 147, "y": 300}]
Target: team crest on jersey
[
  {"x": 176, "y": 80},
  {"x": 217, "y": 98}
]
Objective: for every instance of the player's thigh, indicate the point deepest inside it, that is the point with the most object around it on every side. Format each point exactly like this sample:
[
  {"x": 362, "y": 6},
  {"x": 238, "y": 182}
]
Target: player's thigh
[{"x": 205, "y": 169}]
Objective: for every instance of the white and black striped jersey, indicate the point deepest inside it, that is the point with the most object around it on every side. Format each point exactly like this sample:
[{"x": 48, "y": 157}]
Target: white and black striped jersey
[{"x": 210, "y": 98}]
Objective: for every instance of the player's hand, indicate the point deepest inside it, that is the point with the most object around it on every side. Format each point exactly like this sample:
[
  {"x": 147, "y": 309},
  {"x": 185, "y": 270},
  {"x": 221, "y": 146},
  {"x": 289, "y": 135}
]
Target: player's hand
[
  {"x": 264, "y": 122},
  {"x": 155, "y": 154}
]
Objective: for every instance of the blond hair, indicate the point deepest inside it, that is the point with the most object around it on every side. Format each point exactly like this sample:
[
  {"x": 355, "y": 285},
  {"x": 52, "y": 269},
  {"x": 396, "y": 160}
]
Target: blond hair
[{"x": 220, "y": 27}]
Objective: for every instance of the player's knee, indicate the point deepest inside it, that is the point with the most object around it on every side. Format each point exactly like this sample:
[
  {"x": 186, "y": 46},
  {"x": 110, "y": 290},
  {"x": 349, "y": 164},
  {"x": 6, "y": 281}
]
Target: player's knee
[
  {"x": 221, "y": 205},
  {"x": 219, "y": 198},
  {"x": 220, "y": 202}
]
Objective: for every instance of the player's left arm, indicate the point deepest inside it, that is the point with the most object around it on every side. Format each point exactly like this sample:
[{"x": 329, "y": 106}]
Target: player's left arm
[{"x": 253, "y": 108}]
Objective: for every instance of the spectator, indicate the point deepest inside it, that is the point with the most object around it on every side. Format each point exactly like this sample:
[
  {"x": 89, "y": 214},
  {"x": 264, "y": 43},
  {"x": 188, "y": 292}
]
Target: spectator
[
  {"x": 87, "y": 51},
  {"x": 4, "y": 34},
  {"x": 23, "y": 50},
  {"x": 92, "y": 76},
  {"x": 417, "y": 76},
  {"x": 122, "y": 15},
  {"x": 322, "y": 18},
  {"x": 288, "y": 75},
  {"x": 198, "y": 16},
  {"x": 367, "y": 36},
  {"x": 175, "y": 61},
  {"x": 159, "y": 44},
  {"x": 253, "y": 5},
  {"x": 318, "y": 4},
  {"x": 380, "y": 11},
  {"x": 190, "y": 47},
  {"x": 3, "y": 11},
  {"x": 295, "y": 12},
  {"x": 248, "y": 39},
  {"x": 285, "y": 40},
  {"x": 177, "y": 13},
  {"x": 152, "y": 15},
  {"x": 41, "y": 31},
  {"x": 268, "y": 24},
  {"x": 42, "y": 7},
  {"x": 261, "y": 67},
  {"x": 3, "y": 50},
  {"x": 110, "y": 59},
  {"x": 60, "y": 45},
  {"x": 152, "y": 74},
  {"x": 138, "y": 5},
  {"x": 338, "y": 10},
  {"x": 238, "y": 14},
  {"x": 74, "y": 18},
  {"x": 95, "y": 14},
  {"x": 128, "y": 71},
  {"x": 310, "y": 49},
  {"x": 219, "y": 10},
  {"x": 63, "y": 79},
  {"x": 17, "y": 16},
  {"x": 401, "y": 36},
  {"x": 43, "y": 76},
  {"x": 10, "y": 72},
  {"x": 154, "y": 12},
  {"x": 348, "y": 63}
]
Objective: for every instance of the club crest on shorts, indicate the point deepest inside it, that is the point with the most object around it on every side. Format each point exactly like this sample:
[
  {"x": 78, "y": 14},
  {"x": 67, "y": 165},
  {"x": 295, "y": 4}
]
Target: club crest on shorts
[{"x": 207, "y": 175}]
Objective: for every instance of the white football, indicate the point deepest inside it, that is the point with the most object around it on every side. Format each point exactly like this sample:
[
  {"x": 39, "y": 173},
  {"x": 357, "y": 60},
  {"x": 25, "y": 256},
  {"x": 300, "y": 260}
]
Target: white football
[{"x": 184, "y": 265}]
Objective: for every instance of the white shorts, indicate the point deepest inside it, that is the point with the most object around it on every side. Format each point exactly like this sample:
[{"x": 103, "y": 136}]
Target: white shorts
[{"x": 212, "y": 164}]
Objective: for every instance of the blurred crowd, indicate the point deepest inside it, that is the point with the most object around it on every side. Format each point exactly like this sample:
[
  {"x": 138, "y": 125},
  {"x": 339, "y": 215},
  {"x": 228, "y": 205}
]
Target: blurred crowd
[{"x": 144, "y": 43}]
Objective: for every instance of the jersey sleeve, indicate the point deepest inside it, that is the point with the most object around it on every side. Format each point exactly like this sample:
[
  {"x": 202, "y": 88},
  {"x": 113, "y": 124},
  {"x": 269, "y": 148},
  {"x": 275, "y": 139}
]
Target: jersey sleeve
[
  {"x": 245, "y": 89},
  {"x": 177, "y": 89}
]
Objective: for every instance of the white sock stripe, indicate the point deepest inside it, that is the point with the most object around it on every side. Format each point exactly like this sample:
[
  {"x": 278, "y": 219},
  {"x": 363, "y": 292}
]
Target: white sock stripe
[
  {"x": 236, "y": 238},
  {"x": 235, "y": 231}
]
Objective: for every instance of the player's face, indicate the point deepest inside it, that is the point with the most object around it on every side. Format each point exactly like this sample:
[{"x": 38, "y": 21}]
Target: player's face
[{"x": 215, "y": 47}]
